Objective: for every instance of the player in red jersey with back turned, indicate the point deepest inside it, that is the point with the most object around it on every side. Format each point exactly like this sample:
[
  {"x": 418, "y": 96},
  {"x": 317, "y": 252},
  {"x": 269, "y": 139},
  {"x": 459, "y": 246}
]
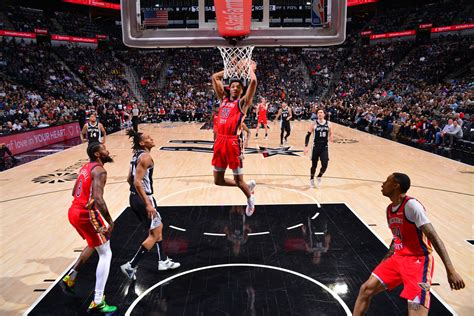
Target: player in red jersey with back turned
[
  {"x": 409, "y": 260},
  {"x": 227, "y": 146}
]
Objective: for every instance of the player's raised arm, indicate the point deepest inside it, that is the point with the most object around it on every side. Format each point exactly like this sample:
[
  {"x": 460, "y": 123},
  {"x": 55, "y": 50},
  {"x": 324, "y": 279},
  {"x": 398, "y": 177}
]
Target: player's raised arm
[
  {"x": 247, "y": 99},
  {"x": 217, "y": 84}
]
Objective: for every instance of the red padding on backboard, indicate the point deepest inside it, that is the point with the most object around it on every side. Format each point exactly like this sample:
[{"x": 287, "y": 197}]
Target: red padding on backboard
[{"x": 233, "y": 17}]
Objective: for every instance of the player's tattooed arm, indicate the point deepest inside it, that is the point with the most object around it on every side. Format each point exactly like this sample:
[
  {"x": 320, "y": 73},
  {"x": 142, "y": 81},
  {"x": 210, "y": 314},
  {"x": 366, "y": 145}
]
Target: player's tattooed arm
[
  {"x": 99, "y": 178},
  {"x": 454, "y": 279}
]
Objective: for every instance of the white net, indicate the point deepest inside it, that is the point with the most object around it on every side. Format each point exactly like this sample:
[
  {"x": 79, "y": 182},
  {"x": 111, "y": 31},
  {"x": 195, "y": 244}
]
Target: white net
[{"x": 237, "y": 61}]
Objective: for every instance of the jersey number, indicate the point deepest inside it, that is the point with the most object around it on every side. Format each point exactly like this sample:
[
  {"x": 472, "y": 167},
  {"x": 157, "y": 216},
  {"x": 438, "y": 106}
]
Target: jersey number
[
  {"x": 322, "y": 134},
  {"x": 396, "y": 232},
  {"x": 225, "y": 113}
]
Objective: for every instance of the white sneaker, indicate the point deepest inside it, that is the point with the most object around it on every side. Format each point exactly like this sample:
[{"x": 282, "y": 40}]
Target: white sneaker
[
  {"x": 266, "y": 137},
  {"x": 256, "y": 136},
  {"x": 319, "y": 181},
  {"x": 167, "y": 264},
  {"x": 250, "y": 206},
  {"x": 311, "y": 183},
  {"x": 252, "y": 184},
  {"x": 129, "y": 271}
]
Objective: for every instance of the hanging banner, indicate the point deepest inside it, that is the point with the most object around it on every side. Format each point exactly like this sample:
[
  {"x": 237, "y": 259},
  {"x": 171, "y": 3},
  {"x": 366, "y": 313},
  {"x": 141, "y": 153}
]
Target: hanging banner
[
  {"x": 452, "y": 28},
  {"x": 95, "y": 3},
  {"x": 17, "y": 34},
  {"x": 351, "y": 3},
  {"x": 77, "y": 39},
  {"x": 425, "y": 26},
  {"x": 41, "y": 31},
  {"x": 393, "y": 34}
]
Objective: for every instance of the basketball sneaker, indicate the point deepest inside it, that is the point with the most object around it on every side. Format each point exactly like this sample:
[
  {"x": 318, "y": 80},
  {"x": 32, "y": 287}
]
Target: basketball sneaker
[
  {"x": 103, "y": 307},
  {"x": 68, "y": 285},
  {"x": 129, "y": 271},
  {"x": 266, "y": 137},
  {"x": 250, "y": 206},
  {"x": 311, "y": 183},
  {"x": 167, "y": 264},
  {"x": 319, "y": 180}
]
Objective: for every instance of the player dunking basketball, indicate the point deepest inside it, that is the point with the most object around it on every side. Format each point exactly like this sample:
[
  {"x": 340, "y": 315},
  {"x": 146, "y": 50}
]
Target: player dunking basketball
[
  {"x": 322, "y": 134},
  {"x": 286, "y": 114},
  {"x": 85, "y": 215},
  {"x": 409, "y": 260},
  {"x": 262, "y": 117},
  {"x": 227, "y": 148}
]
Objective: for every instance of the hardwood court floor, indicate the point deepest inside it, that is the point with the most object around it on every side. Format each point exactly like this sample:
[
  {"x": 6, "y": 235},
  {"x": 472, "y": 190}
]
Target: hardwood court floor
[
  {"x": 38, "y": 243},
  {"x": 291, "y": 259}
]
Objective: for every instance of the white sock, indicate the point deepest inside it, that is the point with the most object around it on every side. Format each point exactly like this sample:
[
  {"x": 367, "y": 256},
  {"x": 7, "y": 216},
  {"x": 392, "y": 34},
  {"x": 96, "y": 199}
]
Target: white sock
[
  {"x": 102, "y": 271},
  {"x": 158, "y": 248},
  {"x": 98, "y": 296}
]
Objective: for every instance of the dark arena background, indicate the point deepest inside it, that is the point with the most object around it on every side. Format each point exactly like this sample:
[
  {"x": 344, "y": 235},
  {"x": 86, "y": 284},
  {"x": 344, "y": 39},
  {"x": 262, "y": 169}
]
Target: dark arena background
[{"x": 395, "y": 82}]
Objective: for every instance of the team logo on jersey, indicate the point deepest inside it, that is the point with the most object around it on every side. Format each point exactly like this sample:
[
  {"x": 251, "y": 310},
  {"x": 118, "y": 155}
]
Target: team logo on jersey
[
  {"x": 345, "y": 141},
  {"x": 264, "y": 151}
]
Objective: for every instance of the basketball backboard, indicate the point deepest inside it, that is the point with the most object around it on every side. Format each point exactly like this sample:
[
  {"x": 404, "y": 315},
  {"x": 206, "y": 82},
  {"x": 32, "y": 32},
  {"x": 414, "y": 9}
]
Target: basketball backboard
[{"x": 192, "y": 23}]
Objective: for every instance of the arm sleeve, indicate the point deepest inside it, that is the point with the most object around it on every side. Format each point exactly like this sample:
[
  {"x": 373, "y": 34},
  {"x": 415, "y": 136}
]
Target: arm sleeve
[
  {"x": 415, "y": 212},
  {"x": 306, "y": 139}
]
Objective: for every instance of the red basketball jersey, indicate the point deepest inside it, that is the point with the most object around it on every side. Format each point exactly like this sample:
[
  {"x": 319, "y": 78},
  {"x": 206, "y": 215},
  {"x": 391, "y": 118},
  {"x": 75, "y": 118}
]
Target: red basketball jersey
[
  {"x": 83, "y": 191},
  {"x": 216, "y": 122},
  {"x": 409, "y": 240},
  {"x": 230, "y": 117},
  {"x": 262, "y": 111}
]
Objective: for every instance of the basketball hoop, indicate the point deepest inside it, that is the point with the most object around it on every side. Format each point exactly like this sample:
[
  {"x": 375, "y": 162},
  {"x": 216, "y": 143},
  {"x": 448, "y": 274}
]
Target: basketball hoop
[{"x": 237, "y": 61}]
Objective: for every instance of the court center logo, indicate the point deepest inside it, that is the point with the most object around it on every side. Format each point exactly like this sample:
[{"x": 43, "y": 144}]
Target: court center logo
[
  {"x": 61, "y": 175},
  {"x": 345, "y": 141},
  {"x": 209, "y": 148}
]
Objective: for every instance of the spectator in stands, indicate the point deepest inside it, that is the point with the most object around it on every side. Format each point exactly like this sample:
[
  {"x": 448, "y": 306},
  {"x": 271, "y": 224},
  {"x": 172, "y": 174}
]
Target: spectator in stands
[
  {"x": 5, "y": 150},
  {"x": 453, "y": 134}
]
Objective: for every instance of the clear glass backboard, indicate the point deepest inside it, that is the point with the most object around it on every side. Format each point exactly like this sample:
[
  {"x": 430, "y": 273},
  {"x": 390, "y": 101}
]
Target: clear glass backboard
[{"x": 192, "y": 23}]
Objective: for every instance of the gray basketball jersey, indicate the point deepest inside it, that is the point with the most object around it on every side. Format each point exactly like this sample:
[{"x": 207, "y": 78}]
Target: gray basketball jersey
[{"x": 147, "y": 181}]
